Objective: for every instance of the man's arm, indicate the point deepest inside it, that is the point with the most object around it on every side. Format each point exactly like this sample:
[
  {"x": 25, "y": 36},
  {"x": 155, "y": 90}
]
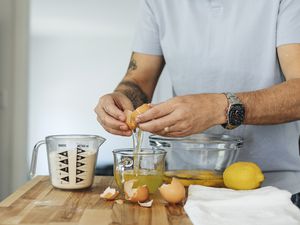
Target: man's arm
[
  {"x": 136, "y": 88},
  {"x": 279, "y": 103},
  {"x": 141, "y": 78},
  {"x": 190, "y": 114}
]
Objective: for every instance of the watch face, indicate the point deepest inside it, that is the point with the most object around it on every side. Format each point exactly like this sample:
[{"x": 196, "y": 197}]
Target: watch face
[{"x": 236, "y": 115}]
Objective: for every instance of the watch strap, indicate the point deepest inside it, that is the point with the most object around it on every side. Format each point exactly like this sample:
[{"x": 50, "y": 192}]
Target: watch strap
[{"x": 232, "y": 98}]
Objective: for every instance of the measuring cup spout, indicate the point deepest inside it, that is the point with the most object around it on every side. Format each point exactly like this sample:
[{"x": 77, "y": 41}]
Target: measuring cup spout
[{"x": 100, "y": 141}]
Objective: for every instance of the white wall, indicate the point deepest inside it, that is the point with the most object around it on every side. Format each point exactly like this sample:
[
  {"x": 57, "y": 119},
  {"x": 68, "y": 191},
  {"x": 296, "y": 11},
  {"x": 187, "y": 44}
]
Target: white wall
[
  {"x": 13, "y": 94},
  {"x": 79, "y": 51}
]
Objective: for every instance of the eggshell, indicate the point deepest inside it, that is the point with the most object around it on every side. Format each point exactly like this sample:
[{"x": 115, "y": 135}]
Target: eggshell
[
  {"x": 109, "y": 194},
  {"x": 119, "y": 201},
  {"x": 146, "y": 204},
  {"x": 139, "y": 194},
  {"x": 174, "y": 192},
  {"x": 130, "y": 123},
  {"x": 129, "y": 191},
  {"x": 143, "y": 108},
  {"x": 131, "y": 116}
]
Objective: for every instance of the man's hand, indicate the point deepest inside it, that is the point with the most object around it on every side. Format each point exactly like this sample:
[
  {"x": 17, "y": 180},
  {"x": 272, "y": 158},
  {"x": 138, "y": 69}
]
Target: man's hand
[
  {"x": 110, "y": 113},
  {"x": 136, "y": 88},
  {"x": 184, "y": 115}
]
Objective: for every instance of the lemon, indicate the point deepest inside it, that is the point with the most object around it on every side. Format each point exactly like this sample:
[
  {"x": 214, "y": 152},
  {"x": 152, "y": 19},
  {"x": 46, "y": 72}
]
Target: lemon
[{"x": 243, "y": 176}]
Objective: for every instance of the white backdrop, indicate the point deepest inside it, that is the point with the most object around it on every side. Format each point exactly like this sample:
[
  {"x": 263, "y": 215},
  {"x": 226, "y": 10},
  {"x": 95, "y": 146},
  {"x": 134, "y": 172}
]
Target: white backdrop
[
  {"x": 14, "y": 27},
  {"x": 79, "y": 50}
]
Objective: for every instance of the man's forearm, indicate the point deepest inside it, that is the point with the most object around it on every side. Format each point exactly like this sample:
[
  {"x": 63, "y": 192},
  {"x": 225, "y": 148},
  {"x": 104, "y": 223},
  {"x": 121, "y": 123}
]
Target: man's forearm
[
  {"x": 141, "y": 78},
  {"x": 277, "y": 104},
  {"x": 130, "y": 88},
  {"x": 133, "y": 91}
]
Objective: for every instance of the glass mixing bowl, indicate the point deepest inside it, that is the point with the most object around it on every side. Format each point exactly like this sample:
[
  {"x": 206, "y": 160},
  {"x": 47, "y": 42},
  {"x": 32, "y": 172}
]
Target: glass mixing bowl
[{"x": 198, "y": 159}]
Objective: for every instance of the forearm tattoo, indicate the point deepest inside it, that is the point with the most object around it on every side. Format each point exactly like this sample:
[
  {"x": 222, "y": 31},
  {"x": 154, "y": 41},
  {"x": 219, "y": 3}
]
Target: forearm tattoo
[
  {"x": 134, "y": 93},
  {"x": 132, "y": 64}
]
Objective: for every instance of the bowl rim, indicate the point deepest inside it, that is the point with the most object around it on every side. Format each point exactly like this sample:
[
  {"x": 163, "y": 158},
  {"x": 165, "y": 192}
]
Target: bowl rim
[
  {"x": 201, "y": 138},
  {"x": 129, "y": 151}
]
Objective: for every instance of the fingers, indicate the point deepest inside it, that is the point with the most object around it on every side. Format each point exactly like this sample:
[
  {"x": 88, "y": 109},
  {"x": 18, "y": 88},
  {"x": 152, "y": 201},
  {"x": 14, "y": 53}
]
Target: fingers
[
  {"x": 159, "y": 125},
  {"x": 114, "y": 105},
  {"x": 118, "y": 132},
  {"x": 172, "y": 132},
  {"x": 176, "y": 130},
  {"x": 169, "y": 126},
  {"x": 156, "y": 111},
  {"x": 167, "y": 133},
  {"x": 176, "y": 134},
  {"x": 106, "y": 120},
  {"x": 123, "y": 103},
  {"x": 112, "y": 110},
  {"x": 158, "y": 117},
  {"x": 111, "y": 117},
  {"x": 114, "y": 126}
]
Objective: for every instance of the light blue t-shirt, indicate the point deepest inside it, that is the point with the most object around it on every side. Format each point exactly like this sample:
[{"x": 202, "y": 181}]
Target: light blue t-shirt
[{"x": 215, "y": 46}]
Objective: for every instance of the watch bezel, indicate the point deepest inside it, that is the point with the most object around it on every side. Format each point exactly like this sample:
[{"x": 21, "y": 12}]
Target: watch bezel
[{"x": 236, "y": 114}]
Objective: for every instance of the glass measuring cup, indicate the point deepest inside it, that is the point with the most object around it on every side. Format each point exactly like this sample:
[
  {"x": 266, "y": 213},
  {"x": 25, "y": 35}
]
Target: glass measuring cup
[
  {"x": 146, "y": 167},
  {"x": 71, "y": 159}
]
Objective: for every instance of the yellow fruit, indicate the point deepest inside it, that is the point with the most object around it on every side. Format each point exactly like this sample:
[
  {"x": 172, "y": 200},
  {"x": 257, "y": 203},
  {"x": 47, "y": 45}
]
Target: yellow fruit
[{"x": 243, "y": 176}]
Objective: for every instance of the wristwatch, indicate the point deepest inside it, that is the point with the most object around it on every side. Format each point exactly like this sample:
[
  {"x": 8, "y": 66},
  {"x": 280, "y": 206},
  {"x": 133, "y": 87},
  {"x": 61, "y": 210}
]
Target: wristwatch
[{"x": 235, "y": 113}]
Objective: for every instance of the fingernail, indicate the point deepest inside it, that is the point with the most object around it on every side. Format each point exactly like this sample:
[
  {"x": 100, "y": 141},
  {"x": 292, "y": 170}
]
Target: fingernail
[{"x": 123, "y": 127}]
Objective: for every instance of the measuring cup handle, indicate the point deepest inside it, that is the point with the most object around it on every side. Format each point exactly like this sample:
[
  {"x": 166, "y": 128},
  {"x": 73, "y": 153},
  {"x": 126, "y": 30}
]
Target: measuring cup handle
[{"x": 34, "y": 158}]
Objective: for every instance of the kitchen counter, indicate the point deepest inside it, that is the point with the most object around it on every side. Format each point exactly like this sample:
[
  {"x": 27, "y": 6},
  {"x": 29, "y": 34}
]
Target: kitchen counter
[{"x": 37, "y": 202}]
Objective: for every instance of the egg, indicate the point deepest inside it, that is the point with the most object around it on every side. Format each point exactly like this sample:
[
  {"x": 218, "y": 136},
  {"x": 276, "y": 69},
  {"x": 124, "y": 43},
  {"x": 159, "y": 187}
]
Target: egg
[
  {"x": 131, "y": 116},
  {"x": 139, "y": 194},
  {"x": 109, "y": 194},
  {"x": 174, "y": 192}
]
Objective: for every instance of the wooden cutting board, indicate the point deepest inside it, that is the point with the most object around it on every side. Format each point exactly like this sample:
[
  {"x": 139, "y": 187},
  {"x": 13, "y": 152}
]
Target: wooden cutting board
[{"x": 37, "y": 202}]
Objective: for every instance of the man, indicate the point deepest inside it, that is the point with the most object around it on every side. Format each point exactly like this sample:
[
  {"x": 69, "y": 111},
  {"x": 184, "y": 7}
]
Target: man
[{"x": 231, "y": 63}]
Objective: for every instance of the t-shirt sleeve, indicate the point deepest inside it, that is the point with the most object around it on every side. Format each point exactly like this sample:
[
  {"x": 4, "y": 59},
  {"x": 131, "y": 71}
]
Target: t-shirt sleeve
[
  {"x": 147, "y": 33},
  {"x": 288, "y": 24}
]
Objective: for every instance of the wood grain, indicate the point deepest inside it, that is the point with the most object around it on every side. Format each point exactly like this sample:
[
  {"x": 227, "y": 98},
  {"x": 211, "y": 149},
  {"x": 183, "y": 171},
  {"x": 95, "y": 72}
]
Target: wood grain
[{"x": 37, "y": 202}]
